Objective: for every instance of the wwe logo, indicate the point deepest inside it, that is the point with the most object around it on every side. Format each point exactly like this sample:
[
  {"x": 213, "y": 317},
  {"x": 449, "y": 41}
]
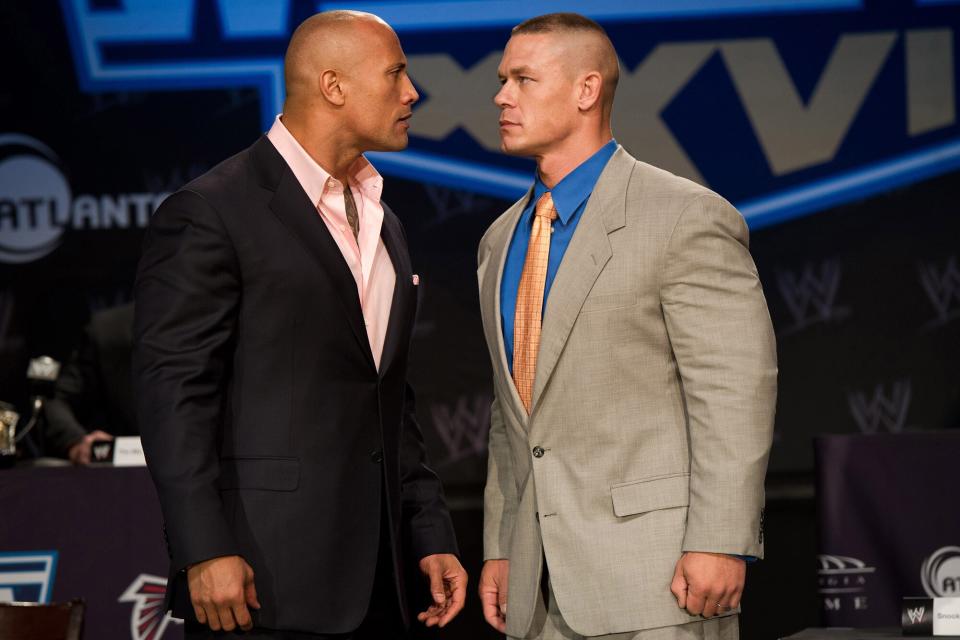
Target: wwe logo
[
  {"x": 943, "y": 289},
  {"x": 101, "y": 452},
  {"x": 916, "y": 615},
  {"x": 463, "y": 428},
  {"x": 811, "y": 296},
  {"x": 149, "y": 618},
  {"x": 889, "y": 411}
]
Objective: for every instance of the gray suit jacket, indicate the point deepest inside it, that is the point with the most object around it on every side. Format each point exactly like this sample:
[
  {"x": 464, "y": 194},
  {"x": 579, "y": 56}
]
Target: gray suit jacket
[{"x": 653, "y": 405}]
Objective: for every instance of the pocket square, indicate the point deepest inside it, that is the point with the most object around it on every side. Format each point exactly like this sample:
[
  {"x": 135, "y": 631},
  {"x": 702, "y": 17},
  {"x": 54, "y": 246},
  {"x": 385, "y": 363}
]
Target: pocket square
[{"x": 416, "y": 280}]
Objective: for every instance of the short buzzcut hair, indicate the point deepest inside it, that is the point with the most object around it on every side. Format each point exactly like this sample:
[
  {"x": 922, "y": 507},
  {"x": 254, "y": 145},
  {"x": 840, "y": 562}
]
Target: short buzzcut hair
[
  {"x": 572, "y": 23},
  {"x": 557, "y": 22}
]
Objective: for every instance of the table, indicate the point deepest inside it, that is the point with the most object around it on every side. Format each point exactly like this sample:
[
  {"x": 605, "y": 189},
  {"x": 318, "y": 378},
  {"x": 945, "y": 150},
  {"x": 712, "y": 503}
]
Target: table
[{"x": 92, "y": 533}]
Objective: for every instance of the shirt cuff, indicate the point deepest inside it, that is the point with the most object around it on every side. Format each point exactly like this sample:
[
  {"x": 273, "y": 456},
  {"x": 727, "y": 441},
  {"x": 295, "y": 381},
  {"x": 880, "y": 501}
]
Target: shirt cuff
[{"x": 747, "y": 559}]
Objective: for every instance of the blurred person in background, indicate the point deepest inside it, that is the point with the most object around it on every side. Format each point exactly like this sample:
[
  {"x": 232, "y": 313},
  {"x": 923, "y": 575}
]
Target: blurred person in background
[{"x": 93, "y": 395}]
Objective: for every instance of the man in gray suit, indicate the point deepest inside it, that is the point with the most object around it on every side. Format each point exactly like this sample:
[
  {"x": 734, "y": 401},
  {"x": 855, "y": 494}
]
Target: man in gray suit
[{"x": 634, "y": 372}]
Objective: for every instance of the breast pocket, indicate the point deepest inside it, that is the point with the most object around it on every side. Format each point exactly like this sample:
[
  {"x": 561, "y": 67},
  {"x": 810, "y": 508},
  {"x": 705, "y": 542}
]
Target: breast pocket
[{"x": 650, "y": 494}]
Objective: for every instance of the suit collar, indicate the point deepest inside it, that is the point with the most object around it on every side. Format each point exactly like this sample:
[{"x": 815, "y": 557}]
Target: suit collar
[
  {"x": 291, "y": 205},
  {"x": 588, "y": 253},
  {"x": 268, "y": 164},
  {"x": 402, "y": 308},
  {"x": 499, "y": 243}
]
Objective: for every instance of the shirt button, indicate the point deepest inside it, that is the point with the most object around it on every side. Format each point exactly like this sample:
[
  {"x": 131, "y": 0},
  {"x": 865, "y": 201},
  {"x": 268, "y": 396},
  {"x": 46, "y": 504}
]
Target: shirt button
[
  {"x": 538, "y": 452},
  {"x": 376, "y": 456}
]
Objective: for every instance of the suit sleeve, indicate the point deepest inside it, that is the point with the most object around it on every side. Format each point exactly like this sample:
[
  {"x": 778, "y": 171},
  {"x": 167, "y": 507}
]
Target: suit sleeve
[
  {"x": 722, "y": 338},
  {"x": 186, "y": 301},
  {"x": 500, "y": 493},
  {"x": 425, "y": 514}
]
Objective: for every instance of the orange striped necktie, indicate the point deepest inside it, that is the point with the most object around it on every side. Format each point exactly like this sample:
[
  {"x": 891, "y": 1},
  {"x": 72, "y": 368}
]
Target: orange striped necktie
[{"x": 528, "y": 316}]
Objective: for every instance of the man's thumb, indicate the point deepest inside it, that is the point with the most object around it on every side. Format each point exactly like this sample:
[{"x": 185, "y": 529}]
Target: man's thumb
[
  {"x": 436, "y": 585},
  {"x": 250, "y": 589},
  {"x": 679, "y": 587}
]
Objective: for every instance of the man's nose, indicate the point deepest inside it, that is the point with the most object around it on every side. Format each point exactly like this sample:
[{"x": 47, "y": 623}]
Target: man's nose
[
  {"x": 502, "y": 98},
  {"x": 411, "y": 93}
]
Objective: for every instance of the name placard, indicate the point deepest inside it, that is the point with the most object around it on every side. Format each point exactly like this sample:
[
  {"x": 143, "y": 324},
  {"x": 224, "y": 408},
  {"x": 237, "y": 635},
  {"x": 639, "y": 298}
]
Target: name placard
[{"x": 128, "y": 452}]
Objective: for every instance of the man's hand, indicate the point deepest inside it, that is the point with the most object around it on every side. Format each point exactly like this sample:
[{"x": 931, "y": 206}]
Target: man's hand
[
  {"x": 708, "y": 583},
  {"x": 493, "y": 592},
  {"x": 221, "y": 589},
  {"x": 79, "y": 452},
  {"x": 448, "y": 588}
]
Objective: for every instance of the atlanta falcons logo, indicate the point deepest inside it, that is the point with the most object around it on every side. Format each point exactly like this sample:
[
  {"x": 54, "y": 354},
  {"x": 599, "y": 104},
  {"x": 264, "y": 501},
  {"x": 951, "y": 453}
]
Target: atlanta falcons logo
[{"x": 148, "y": 620}]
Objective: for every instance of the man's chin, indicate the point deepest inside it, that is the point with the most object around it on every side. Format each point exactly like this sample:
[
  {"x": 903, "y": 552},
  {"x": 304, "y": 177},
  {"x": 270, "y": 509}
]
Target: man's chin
[
  {"x": 511, "y": 149},
  {"x": 392, "y": 145}
]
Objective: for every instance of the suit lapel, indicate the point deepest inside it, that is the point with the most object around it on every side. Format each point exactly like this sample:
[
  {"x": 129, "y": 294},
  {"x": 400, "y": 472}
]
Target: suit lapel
[
  {"x": 490, "y": 295},
  {"x": 585, "y": 257},
  {"x": 401, "y": 309},
  {"x": 292, "y": 206}
]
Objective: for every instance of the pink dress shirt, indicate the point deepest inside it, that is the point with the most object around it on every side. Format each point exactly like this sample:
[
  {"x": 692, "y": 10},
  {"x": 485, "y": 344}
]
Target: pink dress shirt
[{"x": 366, "y": 255}]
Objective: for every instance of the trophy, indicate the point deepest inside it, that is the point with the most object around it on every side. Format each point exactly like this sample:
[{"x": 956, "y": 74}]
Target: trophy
[{"x": 8, "y": 432}]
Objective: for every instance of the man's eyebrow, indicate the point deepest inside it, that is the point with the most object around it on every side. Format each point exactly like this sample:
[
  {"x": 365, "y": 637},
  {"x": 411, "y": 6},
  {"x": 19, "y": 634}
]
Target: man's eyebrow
[{"x": 515, "y": 71}]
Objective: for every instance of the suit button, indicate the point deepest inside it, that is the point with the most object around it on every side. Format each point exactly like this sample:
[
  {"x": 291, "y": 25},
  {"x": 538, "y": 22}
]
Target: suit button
[
  {"x": 538, "y": 452},
  {"x": 377, "y": 456}
]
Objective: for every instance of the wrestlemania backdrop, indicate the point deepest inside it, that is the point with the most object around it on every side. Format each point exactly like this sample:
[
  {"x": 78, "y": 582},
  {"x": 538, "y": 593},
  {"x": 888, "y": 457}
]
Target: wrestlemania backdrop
[{"x": 831, "y": 124}]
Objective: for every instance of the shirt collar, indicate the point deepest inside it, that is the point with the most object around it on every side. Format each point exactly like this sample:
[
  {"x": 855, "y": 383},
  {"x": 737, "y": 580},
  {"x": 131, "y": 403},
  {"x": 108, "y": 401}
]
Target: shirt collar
[
  {"x": 577, "y": 185},
  {"x": 316, "y": 180}
]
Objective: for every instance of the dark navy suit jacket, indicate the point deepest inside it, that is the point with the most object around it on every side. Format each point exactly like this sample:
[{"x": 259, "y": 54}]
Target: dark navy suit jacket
[{"x": 267, "y": 427}]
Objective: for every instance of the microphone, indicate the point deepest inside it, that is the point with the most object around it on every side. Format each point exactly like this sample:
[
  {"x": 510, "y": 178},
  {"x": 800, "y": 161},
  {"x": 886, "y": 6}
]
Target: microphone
[{"x": 42, "y": 372}]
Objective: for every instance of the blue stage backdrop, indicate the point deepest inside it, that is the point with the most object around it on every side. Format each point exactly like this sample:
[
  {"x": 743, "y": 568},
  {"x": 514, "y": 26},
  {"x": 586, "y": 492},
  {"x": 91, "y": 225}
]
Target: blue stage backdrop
[{"x": 831, "y": 124}]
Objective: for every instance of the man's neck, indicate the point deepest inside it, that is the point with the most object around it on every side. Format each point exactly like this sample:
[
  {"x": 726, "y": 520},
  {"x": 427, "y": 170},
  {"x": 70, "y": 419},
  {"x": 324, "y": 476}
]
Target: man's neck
[
  {"x": 557, "y": 164},
  {"x": 325, "y": 145}
]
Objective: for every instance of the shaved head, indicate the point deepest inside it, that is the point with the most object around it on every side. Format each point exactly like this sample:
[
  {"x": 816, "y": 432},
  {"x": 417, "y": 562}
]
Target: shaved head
[
  {"x": 332, "y": 40},
  {"x": 584, "y": 46},
  {"x": 347, "y": 88}
]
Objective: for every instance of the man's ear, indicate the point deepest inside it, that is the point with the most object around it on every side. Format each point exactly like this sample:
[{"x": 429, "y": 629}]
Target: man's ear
[
  {"x": 590, "y": 87},
  {"x": 330, "y": 87}
]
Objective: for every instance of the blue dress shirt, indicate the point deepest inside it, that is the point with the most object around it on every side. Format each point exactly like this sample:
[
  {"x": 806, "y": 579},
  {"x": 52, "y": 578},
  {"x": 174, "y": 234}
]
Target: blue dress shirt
[{"x": 570, "y": 198}]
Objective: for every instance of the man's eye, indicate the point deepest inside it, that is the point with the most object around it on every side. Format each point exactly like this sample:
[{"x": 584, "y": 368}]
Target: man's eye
[{"x": 523, "y": 79}]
